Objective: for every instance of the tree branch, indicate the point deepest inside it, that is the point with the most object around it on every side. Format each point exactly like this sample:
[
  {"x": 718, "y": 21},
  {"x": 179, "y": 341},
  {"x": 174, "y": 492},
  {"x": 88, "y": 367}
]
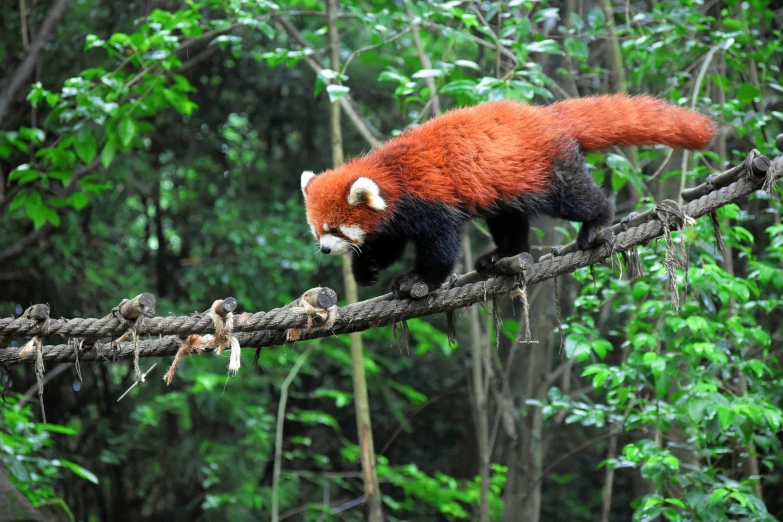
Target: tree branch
[
  {"x": 426, "y": 63},
  {"x": 365, "y": 128},
  {"x": 361, "y": 399},
  {"x": 19, "y": 247},
  {"x": 279, "y": 431},
  {"x": 27, "y": 66}
]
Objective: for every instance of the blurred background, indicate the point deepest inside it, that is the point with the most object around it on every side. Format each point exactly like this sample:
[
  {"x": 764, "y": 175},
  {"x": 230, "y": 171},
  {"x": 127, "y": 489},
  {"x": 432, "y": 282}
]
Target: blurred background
[{"x": 156, "y": 146}]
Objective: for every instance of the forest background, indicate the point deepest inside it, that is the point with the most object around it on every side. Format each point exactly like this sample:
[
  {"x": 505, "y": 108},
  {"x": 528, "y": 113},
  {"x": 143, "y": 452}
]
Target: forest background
[{"x": 157, "y": 146}]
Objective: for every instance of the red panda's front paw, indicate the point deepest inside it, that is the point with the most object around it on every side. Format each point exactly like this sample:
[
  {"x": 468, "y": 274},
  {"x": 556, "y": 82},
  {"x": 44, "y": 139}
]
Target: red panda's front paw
[
  {"x": 366, "y": 274},
  {"x": 409, "y": 285}
]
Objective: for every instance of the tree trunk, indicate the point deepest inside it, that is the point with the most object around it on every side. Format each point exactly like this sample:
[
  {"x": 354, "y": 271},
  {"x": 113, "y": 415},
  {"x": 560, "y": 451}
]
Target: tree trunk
[
  {"x": 480, "y": 401},
  {"x": 523, "y": 493},
  {"x": 361, "y": 399}
]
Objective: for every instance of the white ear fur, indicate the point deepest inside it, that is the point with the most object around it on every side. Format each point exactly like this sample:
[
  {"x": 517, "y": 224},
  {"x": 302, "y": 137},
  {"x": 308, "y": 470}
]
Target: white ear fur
[
  {"x": 306, "y": 177},
  {"x": 366, "y": 190}
]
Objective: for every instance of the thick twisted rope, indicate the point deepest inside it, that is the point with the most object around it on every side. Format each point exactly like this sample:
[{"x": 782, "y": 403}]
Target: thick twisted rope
[
  {"x": 268, "y": 329},
  {"x": 176, "y": 325}
]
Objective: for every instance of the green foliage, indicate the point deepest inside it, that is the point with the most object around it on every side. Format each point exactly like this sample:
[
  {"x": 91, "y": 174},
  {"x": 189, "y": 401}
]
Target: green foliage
[
  {"x": 26, "y": 450},
  {"x": 688, "y": 371}
]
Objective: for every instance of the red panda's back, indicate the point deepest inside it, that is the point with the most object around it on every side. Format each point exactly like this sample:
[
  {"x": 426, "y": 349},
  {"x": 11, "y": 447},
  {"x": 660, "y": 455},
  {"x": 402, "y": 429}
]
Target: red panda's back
[{"x": 478, "y": 155}]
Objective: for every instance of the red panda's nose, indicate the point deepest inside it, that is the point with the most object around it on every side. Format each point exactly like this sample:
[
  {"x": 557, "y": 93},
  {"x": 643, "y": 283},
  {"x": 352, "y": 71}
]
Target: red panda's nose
[{"x": 325, "y": 249}]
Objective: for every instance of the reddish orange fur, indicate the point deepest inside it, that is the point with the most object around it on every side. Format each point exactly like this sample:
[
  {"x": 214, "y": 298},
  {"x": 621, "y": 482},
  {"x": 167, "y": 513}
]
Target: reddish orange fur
[
  {"x": 600, "y": 121},
  {"x": 497, "y": 151}
]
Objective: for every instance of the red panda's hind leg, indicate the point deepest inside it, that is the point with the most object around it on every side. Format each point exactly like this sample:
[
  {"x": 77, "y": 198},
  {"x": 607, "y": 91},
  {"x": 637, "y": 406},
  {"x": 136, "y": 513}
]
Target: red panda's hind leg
[
  {"x": 575, "y": 196},
  {"x": 509, "y": 228}
]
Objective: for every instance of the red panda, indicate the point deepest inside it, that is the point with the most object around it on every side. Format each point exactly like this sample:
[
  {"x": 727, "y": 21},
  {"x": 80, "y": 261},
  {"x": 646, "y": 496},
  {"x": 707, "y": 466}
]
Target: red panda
[{"x": 501, "y": 161}]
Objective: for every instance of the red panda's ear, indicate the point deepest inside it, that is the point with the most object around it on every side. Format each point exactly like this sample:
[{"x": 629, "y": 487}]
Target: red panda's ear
[
  {"x": 307, "y": 176},
  {"x": 364, "y": 190}
]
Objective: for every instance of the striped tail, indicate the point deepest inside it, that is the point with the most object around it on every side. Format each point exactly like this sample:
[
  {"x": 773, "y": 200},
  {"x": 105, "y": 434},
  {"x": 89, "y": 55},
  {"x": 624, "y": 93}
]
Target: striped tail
[{"x": 598, "y": 122}]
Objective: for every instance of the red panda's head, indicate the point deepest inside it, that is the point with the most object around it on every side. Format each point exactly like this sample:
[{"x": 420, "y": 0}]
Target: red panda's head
[{"x": 343, "y": 208}]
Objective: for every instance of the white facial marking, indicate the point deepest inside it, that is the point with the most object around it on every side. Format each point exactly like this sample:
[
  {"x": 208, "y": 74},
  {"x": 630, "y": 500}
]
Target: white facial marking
[
  {"x": 336, "y": 245},
  {"x": 306, "y": 177},
  {"x": 326, "y": 227},
  {"x": 312, "y": 229},
  {"x": 354, "y": 233},
  {"x": 366, "y": 190}
]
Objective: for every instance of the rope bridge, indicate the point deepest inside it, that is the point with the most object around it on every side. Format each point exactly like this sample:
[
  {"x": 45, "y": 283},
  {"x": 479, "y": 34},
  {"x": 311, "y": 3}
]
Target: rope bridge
[{"x": 315, "y": 314}]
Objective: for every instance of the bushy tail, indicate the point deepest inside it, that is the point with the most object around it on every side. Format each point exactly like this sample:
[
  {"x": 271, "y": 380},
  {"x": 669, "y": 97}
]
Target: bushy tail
[{"x": 600, "y": 121}]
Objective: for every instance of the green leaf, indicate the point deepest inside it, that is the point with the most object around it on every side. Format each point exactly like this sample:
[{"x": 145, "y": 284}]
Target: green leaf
[
  {"x": 696, "y": 410},
  {"x": 601, "y": 347},
  {"x": 577, "y": 48},
  {"x": 726, "y": 416},
  {"x": 619, "y": 179},
  {"x": 697, "y": 324},
  {"x": 468, "y": 64},
  {"x": 32, "y": 135},
  {"x": 336, "y": 92},
  {"x": 671, "y": 462},
  {"x": 182, "y": 84},
  {"x": 225, "y": 39},
  {"x": 413, "y": 396},
  {"x": 65, "y": 176},
  {"x": 126, "y": 130},
  {"x": 314, "y": 417},
  {"x": 56, "y": 428},
  {"x": 86, "y": 146},
  {"x": 340, "y": 398},
  {"x": 18, "y": 201},
  {"x": 470, "y": 20},
  {"x": 718, "y": 495},
  {"x": 640, "y": 289},
  {"x": 576, "y": 21},
  {"x": 460, "y": 87},
  {"x": 80, "y": 471},
  {"x": 747, "y": 93},
  {"x": 393, "y": 76},
  {"x": 109, "y": 151},
  {"x": 676, "y": 502},
  {"x": 52, "y": 217},
  {"x": 429, "y": 73},
  {"x": 545, "y": 46},
  {"x": 599, "y": 379},
  {"x": 78, "y": 200},
  {"x": 596, "y": 18},
  {"x": 23, "y": 174},
  {"x": 577, "y": 347},
  {"x": 36, "y": 210}
]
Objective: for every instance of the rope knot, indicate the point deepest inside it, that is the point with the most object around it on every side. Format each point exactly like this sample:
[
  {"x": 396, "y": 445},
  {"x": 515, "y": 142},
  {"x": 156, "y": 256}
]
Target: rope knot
[
  {"x": 520, "y": 292},
  {"x": 224, "y": 323},
  {"x": 37, "y": 314},
  {"x": 319, "y": 305},
  {"x": 672, "y": 216}
]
